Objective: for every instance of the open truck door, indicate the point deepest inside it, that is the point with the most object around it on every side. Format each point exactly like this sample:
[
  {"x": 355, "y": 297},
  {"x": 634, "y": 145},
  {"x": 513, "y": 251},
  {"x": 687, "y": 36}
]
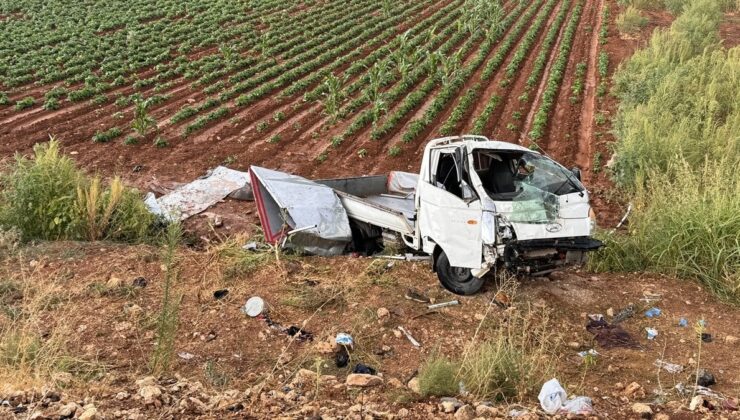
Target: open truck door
[{"x": 450, "y": 219}]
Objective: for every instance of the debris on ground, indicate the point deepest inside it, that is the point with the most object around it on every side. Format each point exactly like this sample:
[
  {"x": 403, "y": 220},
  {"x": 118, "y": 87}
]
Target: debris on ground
[
  {"x": 652, "y": 312},
  {"x": 683, "y": 322},
  {"x": 667, "y": 366},
  {"x": 591, "y": 352},
  {"x": 554, "y": 400},
  {"x": 254, "y": 306},
  {"x": 444, "y": 304},
  {"x": 704, "y": 378},
  {"x": 706, "y": 337},
  {"x": 299, "y": 333},
  {"x": 220, "y": 294},
  {"x": 651, "y": 333},
  {"x": 190, "y": 199},
  {"x": 502, "y": 299},
  {"x": 623, "y": 314},
  {"x": 416, "y": 296},
  {"x": 341, "y": 357},
  {"x": 408, "y": 335},
  {"x": 346, "y": 340},
  {"x": 140, "y": 282},
  {"x": 610, "y": 336},
  {"x": 364, "y": 369}
]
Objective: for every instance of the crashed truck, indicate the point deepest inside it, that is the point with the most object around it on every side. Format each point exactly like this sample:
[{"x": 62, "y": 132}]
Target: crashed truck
[{"x": 476, "y": 205}]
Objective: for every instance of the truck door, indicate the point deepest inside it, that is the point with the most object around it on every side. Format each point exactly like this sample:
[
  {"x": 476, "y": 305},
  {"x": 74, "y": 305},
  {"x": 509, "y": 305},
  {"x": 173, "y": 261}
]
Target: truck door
[{"x": 449, "y": 211}]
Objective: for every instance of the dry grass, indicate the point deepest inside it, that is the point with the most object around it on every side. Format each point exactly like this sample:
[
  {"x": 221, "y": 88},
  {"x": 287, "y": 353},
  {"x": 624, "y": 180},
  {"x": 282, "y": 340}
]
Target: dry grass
[
  {"x": 511, "y": 353},
  {"x": 34, "y": 329}
]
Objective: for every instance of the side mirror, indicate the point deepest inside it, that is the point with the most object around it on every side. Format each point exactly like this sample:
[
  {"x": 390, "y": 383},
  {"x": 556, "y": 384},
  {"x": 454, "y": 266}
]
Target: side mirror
[{"x": 576, "y": 172}]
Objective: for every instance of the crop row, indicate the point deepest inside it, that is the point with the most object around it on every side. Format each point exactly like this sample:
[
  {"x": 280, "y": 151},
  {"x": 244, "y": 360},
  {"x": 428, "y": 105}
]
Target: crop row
[
  {"x": 556, "y": 76},
  {"x": 450, "y": 90},
  {"x": 446, "y": 71},
  {"x": 520, "y": 54}
]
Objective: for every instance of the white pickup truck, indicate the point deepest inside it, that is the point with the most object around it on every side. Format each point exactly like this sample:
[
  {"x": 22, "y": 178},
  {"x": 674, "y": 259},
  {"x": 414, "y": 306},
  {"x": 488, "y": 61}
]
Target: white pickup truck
[{"x": 475, "y": 204}]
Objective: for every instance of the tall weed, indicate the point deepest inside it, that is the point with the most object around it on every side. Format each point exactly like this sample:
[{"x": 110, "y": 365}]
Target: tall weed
[{"x": 48, "y": 197}]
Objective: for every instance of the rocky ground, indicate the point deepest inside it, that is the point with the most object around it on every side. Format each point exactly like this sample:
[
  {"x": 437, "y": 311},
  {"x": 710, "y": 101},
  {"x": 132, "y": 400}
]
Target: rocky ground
[{"x": 226, "y": 364}]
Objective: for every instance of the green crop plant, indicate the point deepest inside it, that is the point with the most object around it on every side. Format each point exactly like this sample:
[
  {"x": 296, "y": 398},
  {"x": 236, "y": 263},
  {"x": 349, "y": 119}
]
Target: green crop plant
[{"x": 142, "y": 122}]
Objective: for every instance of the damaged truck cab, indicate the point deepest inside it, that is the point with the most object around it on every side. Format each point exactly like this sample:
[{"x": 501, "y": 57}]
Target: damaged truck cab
[
  {"x": 476, "y": 205},
  {"x": 481, "y": 203}
]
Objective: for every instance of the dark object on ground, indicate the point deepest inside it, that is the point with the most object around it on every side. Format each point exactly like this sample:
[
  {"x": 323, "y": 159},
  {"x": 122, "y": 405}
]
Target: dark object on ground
[
  {"x": 705, "y": 378},
  {"x": 416, "y": 296},
  {"x": 706, "y": 337},
  {"x": 360, "y": 368},
  {"x": 137, "y": 168},
  {"x": 300, "y": 334},
  {"x": 140, "y": 282},
  {"x": 341, "y": 358},
  {"x": 236, "y": 407},
  {"x": 19, "y": 409},
  {"x": 220, "y": 294},
  {"x": 625, "y": 313},
  {"x": 611, "y": 336}
]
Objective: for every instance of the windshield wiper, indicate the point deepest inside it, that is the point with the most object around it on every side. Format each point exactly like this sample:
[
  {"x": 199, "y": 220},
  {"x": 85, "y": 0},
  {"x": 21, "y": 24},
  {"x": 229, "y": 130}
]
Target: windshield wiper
[{"x": 568, "y": 179}]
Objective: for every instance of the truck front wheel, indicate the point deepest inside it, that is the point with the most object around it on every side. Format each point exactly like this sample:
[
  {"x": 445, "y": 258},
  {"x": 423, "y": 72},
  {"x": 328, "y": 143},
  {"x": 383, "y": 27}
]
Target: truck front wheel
[{"x": 457, "y": 280}]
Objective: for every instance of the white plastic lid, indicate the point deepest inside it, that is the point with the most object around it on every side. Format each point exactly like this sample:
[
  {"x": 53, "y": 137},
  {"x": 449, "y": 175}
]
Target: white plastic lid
[{"x": 254, "y": 306}]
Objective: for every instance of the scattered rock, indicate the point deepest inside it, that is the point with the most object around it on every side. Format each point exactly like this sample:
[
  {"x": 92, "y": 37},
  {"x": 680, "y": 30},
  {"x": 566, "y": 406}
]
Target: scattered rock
[
  {"x": 662, "y": 416},
  {"x": 89, "y": 413},
  {"x": 466, "y": 412},
  {"x": 574, "y": 345},
  {"x": 610, "y": 312},
  {"x": 731, "y": 339},
  {"x": 395, "y": 383},
  {"x": 67, "y": 410},
  {"x": 132, "y": 310},
  {"x": 114, "y": 282},
  {"x": 363, "y": 380},
  {"x": 696, "y": 402},
  {"x": 402, "y": 413},
  {"x": 397, "y": 333},
  {"x": 484, "y": 410},
  {"x": 414, "y": 385},
  {"x": 449, "y": 404},
  {"x": 634, "y": 390},
  {"x": 642, "y": 410},
  {"x": 150, "y": 394},
  {"x": 122, "y": 326},
  {"x": 122, "y": 395},
  {"x": 383, "y": 313}
]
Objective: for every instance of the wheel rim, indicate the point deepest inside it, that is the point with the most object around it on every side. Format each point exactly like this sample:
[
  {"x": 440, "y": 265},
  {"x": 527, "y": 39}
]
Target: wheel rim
[{"x": 459, "y": 274}]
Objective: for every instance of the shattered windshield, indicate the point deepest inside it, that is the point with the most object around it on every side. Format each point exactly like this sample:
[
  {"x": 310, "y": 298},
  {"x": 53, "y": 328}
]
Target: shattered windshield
[{"x": 532, "y": 182}]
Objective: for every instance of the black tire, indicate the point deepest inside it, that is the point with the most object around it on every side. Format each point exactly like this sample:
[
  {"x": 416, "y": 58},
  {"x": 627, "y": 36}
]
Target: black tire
[{"x": 457, "y": 280}]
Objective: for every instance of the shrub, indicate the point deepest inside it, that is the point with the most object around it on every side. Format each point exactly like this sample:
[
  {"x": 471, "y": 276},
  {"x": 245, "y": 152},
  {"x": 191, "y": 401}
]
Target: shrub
[
  {"x": 631, "y": 20},
  {"x": 686, "y": 223},
  {"x": 437, "y": 377},
  {"x": 25, "y": 103},
  {"x": 47, "y": 197},
  {"x": 107, "y": 135},
  {"x": 4, "y": 100}
]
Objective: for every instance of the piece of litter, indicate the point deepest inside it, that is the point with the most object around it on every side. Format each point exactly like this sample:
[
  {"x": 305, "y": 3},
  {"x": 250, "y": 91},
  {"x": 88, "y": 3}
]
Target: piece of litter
[
  {"x": 706, "y": 337},
  {"x": 360, "y": 368},
  {"x": 590, "y": 352},
  {"x": 220, "y": 294},
  {"x": 670, "y": 367},
  {"x": 416, "y": 296},
  {"x": 683, "y": 322},
  {"x": 596, "y": 317},
  {"x": 444, "y": 304},
  {"x": 410, "y": 337},
  {"x": 651, "y": 333},
  {"x": 250, "y": 246},
  {"x": 611, "y": 336},
  {"x": 185, "y": 355},
  {"x": 652, "y": 312},
  {"x": 553, "y": 400},
  {"x": 344, "y": 339},
  {"x": 254, "y": 306},
  {"x": 623, "y": 314}
]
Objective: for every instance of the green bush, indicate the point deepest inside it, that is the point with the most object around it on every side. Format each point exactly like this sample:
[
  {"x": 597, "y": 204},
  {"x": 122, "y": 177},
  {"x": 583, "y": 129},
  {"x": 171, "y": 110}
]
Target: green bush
[
  {"x": 631, "y": 20},
  {"x": 686, "y": 223},
  {"x": 677, "y": 154},
  {"x": 47, "y": 197},
  {"x": 437, "y": 377}
]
